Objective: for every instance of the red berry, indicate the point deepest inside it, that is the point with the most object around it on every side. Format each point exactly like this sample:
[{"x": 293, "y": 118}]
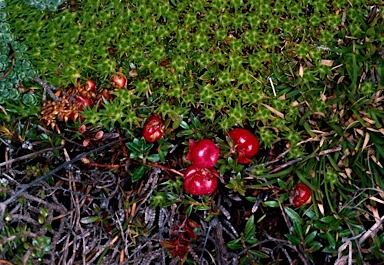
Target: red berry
[
  {"x": 246, "y": 145},
  {"x": 90, "y": 85},
  {"x": 119, "y": 80},
  {"x": 200, "y": 181},
  {"x": 300, "y": 195},
  {"x": 203, "y": 154},
  {"x": 81, "y": 103},
  {"x": 153, "y": 129}
]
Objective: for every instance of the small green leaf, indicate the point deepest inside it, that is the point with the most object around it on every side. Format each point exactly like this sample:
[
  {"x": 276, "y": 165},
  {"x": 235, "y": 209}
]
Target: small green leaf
[
  {"x": 154, "y": 157},
  {"x": 89, "y": 219},
  {"x": 314, "y": 246},
  {"x": 251, "y": 198},
  {"x": 298, "y": 229},
  {"x": 295, "y": 217},
  {"x": 294, "y": 240},
  {"x": 44, "y": 212},
  {"x": 282, "y": 184},
  {"x": 177, "y": 122},
  {"x": 234, "y": 244},
  {"x": 331, "y": 240},
  {"x": 273, "y": 204},
  {"x": 252, "y": 241},
  {"x": 139, "y": 172},
  {"x": 259, "y": 254},
  {"x": 250, "y": 228},
  {"x": 310, "y": 237},
  {"x": 328, "y": 219},
  {"x": 41, "y": 219}
]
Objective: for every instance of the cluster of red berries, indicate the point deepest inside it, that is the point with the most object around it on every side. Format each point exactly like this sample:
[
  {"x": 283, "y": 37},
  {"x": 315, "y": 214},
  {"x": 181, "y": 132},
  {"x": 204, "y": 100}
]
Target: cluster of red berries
[{"x": 200, "y": 178}]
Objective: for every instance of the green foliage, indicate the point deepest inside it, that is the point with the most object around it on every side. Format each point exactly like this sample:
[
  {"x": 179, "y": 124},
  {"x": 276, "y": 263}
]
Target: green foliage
[
  {"x": 15, "y": 67},
  {"x": 23, "y": 241},
  {"x": 248, "y": 238}
]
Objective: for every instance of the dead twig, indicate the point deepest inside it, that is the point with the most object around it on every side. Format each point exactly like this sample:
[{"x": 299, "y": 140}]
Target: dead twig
[
  {"x": 295, "y": 161},
  {"x": 30, "y": 155},
  {"x": 47, "y": 89},
  {"x": 4, "y": 204}
]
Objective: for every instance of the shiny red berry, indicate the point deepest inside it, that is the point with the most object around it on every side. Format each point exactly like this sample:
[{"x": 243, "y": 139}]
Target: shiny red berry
[
  {"x": 153, "y": 129},
  {"x": 203, "y": 154},
  {"x": 300, "y": 195},
  {"x": 200, "y": 181},
  {"x": 246, "y": 145}
]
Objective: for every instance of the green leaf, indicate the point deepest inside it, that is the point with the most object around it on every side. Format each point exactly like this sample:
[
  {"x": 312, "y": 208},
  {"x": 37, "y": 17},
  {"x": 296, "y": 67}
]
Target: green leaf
[
  {"x": 294, "y": 240},
  {"x": 310, "y": 237},
  {"x": 331, "y": 240},
  {"x": 184, "y": 125},
  {"x": 250, "y": 228},
  {"x": 251, "y": 198},
  {"x": 282, "y": 184},
  {"x": 298, "y": 229},
  {"x": 252, "y": 241},
  {"x": 273, "y": 204},
  {"x": 154, "y": 157},
  {"x": 234, "y": 244},
  {"x": 314, "y": 246},
  {"x": 328, "y": 219},
  {"x": 295, "y": 217},
  {"x": 259, "y": 254},
  {"x": 139, "y": 172},
  {"x": 89, "y": 219}
]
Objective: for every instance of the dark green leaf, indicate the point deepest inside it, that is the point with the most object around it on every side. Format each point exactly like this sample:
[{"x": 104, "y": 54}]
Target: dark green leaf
[
  {"x": 234, "y": 244},
  {"x": 314, "y": 246},
  {"x": 294, "y": 240},
  {"x": 252, "y": 241},
  {"x": 259, "y": 254},
  {"x": 295, "y": 217},
  {"x": 298, "y": 229},
  {"x": 310, "y": 237},
  {"x": 250, "y": 228},
  {"x": 331, "y": 240},
  {"x": 138, "y": 173}
]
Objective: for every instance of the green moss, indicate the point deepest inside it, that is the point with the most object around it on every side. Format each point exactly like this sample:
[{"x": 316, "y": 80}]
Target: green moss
[{"x": 218, "y": 54}]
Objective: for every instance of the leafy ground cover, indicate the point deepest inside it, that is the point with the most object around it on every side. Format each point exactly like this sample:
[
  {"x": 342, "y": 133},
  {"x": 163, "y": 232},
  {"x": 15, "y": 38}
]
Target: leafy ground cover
[{"x": 305, "y": 77}]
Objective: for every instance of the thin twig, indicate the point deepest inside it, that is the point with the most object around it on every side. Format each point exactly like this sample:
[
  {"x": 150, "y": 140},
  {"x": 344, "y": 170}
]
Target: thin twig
[
  {"x": 30, "y": 155},
  {"x": 51, "y": 173},
  {"x": 165, "y": 168},
  {"x": 46, "y": 131},
  {"x": 295, "y": 161},
  {"x": 47, "y": 89}
]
